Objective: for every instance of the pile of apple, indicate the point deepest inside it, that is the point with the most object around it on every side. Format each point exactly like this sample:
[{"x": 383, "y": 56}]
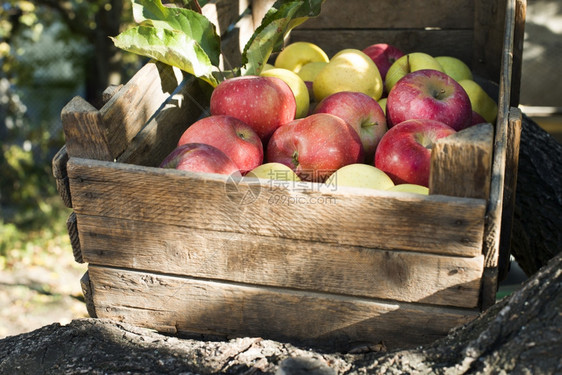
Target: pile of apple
[{"x": 364, "y": 118}]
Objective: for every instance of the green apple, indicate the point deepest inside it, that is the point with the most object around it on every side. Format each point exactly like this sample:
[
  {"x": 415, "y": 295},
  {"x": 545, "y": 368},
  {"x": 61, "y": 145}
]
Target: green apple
[
  {"x": 410, "y": 188},
  {"x": 267, "y": 66},
  {"x": 297, "y": 54},
  {"x": 454, "y": 68},
  {"x": 274, "y": 171},
  {"x": 481, "y": 102},
  {"x": 360, "y": 175},
  {"x": 407, "y": 64},
  {"x": 297, "y": 85},
  {"x": 382, "y": 103},
  {"x": 310, "y": 70},
  {"x": 348, "y": 70}
]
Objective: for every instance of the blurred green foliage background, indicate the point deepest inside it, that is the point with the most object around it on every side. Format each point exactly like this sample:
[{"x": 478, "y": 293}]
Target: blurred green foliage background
[{"x": 50, "y": 51}]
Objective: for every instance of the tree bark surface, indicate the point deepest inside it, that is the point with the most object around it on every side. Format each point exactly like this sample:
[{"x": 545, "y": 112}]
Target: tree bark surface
[{"x": 537, "y": 219}]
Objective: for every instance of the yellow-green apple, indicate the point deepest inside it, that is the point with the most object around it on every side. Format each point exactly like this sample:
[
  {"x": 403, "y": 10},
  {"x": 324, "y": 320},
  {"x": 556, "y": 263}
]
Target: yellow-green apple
[
  {"x": 362, "y": 112},
  {"x": 360, "y": 175},
  {"x": 267, "y": 66},
  {"x": 410, "y": 188},
  {"x": 274, "y": 171},
  {"x": 297, "y": 85},
  {"x": 409, "y": 63},
  {"x": 349, "y": 70},
  {"x": 308, "y": 72},
  {"x": 429, "y": 94},
  {"x": 382, "y": 103},
  {"x": 404, "y": 152},
  {"x": 383, "y": 55},
  {"x": 315, "y": 146},
  {"x": 481, "y": 102},
  {"x": 297, "y": 54},
  {"x": 199, "y": 157},
  {"x": 264, "y": 103},
  {"x": 454, "y": 67},
  {"x": 230, "y": 135}
]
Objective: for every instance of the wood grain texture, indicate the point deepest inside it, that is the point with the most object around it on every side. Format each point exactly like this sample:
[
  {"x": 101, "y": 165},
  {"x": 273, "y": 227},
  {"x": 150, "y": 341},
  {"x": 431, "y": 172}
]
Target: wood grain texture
[
  {"x": 492, "y": 231},
  {"x": 224, "y": 13},
  {"x": 396, "y": 14},
  {"x": 234, "y": 42},
  {"x": 299, "y": 264},
  {"x": 518, "y": 40},
  {"x": 162, "y": 132},
  {"x": 127, "y": 112},
  {"x": 61, "y": 178},
  {"x": 489, "y": 31},
  {"x": 84, "y": 131},
  {"x": 434, "y": 42},
  {"x": 185, "y": 305},
  {"x": 461, "y": 164},
  {"x": 511, "y": 168},
  {"x": 363, "y": 217},
  {"x": 72, "y": 228}
]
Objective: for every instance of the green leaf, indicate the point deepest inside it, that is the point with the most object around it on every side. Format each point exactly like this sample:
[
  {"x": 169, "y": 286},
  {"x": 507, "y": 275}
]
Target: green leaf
[
  {"x": 194, "y": 25},
  {"x": 171, "y": 47},
  {"x": 281, "y": 18}
]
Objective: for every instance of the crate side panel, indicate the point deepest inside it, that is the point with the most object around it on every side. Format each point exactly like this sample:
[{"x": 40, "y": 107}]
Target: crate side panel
[
  {"x": 455, "y": 43},
  {"x": 184, "y": 305},
  {"x": 299, "y": 264},
  {"x": 161, "y": 134},
  {"x": 437, "y": 224},
  {"x": 360, "y": 14},
  {"x": 127, "y": 112}
]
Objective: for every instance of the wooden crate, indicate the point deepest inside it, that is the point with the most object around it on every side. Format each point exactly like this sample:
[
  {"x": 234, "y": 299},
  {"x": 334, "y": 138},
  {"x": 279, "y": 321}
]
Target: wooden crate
[{"x": 195, "y": 254}]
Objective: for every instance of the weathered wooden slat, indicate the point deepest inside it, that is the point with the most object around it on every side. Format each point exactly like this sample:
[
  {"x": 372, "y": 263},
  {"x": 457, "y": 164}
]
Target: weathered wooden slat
[
  {"x": 299, "y": 264},
  {"x": 461, "y": 164},
  {"x": 162, "y": 132},
  {"x": 233, "y": 44},
  {"x": 126, "y": 113},
  {"x": 105, "y": 134},
  {"x": 224, "y": 13},
  {"x": 88, "y": 297},
  {"x": 492, "y": 231},
  {"x": 434, "y": 42},
  {"x": 72, "y": 228},
  {"x": 259, "y": 9},
  {"x": 511, "y": 167},
  {"x": 84, "y": 131},
  {"x": 61, "y": 178},
  {"x": 185, "y": 305},
  {"x": 489, "y": 26},
  {"x": 397, "y": 14},
  {"x": 362, "y": 217}
]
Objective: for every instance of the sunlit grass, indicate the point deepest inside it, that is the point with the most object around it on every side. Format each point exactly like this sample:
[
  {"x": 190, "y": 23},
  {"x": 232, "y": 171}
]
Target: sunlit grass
[{"x": 36, "y": 245}]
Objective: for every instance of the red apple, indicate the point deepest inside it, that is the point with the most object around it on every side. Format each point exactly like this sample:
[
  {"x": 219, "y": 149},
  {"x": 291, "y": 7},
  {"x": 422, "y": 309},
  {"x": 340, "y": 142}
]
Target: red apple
[
  {"x": 199, "y": 157},
  {"x": 429, "y": 94},
  {"x": 362, "y": 112},
  {"x": 315, "y": 146},
  {"x": 232, "y": 136},
  {"x": 404, "y": 152},
  {"x": 264, "y": 103},
  {"x": 383, "y": 55},
  {"x": 477, "y": 118}
]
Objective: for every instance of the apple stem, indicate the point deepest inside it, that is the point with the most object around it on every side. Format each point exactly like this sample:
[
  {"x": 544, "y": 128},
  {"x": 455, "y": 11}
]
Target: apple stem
[{"x": 295, "y": 158}]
